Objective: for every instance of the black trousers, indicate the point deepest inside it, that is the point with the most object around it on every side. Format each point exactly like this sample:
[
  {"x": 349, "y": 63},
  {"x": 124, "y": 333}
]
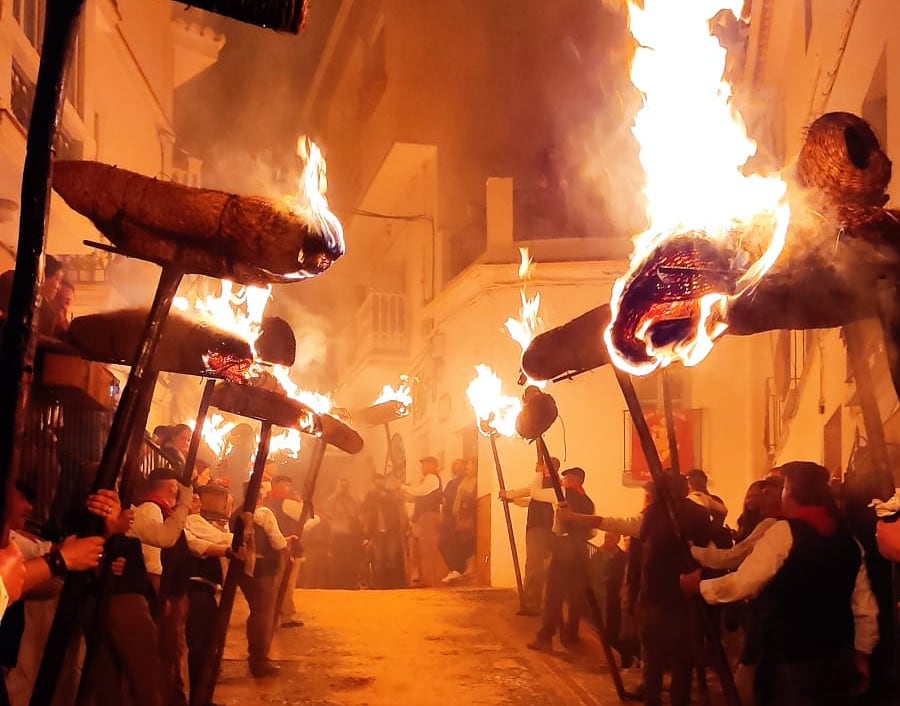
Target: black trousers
[
  {"x": 387, "y": 560},
  {"x": 666, "y": 634},
  {"x": 456, "y": 547},
  {"x": 567, "y": 584},
  {"x": 199, "y": 629},
  {"x": 820, "y": 681}
]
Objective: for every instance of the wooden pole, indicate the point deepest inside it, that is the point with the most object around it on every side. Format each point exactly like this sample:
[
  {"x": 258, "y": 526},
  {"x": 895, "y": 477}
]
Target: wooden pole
[
  {"x": 717, "y": 653},
  {"x": 876, "y": 444},
  {"x": 197, "y": 434},
  {"x": 593, "y": 607},
  {"x": 509, "y": 527},
  {"x": 670, "y": 422},
  {"x": 19, "y": 338},
  {"x": 307, "y": 513},
  {"x": 204, "y": 691}
]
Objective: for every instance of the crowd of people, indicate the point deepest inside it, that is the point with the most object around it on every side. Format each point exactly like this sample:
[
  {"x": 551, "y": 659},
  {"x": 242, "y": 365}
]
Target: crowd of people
[
  {"x": 812, "y": 606},
  {"x": 399, "y": 535},
  {"x": 165, "y": 560}
]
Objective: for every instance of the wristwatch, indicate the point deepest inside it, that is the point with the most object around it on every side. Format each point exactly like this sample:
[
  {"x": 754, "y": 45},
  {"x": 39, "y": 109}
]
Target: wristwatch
[{"x": 55, "y": 561}]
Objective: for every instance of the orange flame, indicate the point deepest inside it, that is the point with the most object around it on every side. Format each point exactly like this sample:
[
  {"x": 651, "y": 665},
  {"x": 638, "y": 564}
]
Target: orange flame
[
  {"x": 286, "y": 441},
  {"x": 310, "y": 201},
  {"x": 529, "y": 324},
  {"x": 693, "y": 145},
  {"x": 494, "y": 411},
  {"x": 402, "y": 394},
  {"x": 215, "y": 433},
  {"x": 318, "y": 402}
]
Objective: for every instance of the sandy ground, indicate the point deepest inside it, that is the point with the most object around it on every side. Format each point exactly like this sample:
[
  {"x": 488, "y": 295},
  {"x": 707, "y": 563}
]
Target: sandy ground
[{"x": 414, "y": 648}]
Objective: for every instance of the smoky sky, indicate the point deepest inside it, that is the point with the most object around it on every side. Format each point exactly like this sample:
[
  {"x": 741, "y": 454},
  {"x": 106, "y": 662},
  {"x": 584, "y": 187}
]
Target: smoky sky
[{"x": 250, "y": 102}]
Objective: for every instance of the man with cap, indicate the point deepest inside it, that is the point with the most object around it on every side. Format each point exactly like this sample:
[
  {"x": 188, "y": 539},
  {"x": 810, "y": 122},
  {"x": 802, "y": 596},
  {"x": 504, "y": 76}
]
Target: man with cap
[
  {"x": 538, "y": 497},
  {"x": 209, "y": 541},
  {"x": 567, "y": 578},
  {"x": 288, "y": 509},
  {"x": 425, "y": 531},
  {"x": 818, "y": 615}
]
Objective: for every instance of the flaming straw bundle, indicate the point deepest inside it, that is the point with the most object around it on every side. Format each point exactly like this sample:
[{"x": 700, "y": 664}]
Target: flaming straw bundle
[
  {"x": 713, "y": 232},
  {"x": 252, "y": 240}
]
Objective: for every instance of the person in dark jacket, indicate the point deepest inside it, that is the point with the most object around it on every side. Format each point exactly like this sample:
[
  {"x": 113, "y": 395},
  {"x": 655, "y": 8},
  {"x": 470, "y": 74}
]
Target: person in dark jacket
[
  {"x": 450, "y": 547},
  {"x": 384, "y": 524},
  {"x": 819, "y": 619},
  {"x": 567, "y": 577}
]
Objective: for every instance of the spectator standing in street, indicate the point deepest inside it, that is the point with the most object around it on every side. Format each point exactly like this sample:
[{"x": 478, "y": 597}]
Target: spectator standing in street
[
  {"x": 384, "y": 523},
  {"x": 342, "y": 511},
  {"x": 450, "y": 538},
  {"x": 425, "y": 558}
]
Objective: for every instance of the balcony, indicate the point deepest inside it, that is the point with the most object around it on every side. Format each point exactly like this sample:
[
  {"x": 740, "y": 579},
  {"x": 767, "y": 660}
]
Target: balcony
[{"x": 380, "y": 331}]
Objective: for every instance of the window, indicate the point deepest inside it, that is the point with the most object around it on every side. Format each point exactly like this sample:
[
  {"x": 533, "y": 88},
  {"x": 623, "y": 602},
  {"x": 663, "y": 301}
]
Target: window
[{"x": 31, "y": 15}]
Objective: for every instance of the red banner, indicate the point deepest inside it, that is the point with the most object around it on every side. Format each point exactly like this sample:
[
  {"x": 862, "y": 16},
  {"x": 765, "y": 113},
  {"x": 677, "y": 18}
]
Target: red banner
[{"x": 684, "y": 437}]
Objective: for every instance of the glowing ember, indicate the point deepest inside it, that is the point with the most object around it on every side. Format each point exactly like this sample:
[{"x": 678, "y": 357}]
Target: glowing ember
[
  {"x": 529, "y": 323},
  {"x": 713, "y": 232},
  {"x": 402, "y": 394},
  {"x": 316, "y": 401},
  {"x": 494, "y": 411},
  {"x": 310, "y": 201}
]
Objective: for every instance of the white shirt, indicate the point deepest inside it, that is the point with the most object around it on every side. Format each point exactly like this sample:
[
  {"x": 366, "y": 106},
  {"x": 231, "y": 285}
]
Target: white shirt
[
  {"x": 31, "y": 547},
  {"x": 714, "y": 558},
  {"x": 426, "y": 486},
  {"x": 766, "y": 559},
  {"x": 201, "y": 534},
  {"x": 626, "y": 526},
  {"x": 265, "y": 518},
  {"x": 156, "y": 532},
  {"x": 707, "y": 501}
]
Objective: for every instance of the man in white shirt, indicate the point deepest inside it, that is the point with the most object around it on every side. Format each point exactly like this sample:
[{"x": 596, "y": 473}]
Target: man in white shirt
[
  {"x": 158, "y": 524},
  {"x": 817, "y": 607},
  {"x": 209, "y": 541},
  {"x": 425, "y": 528},
  {"x": 539, "y": 498},
  {"x": 271, "y": 546}
]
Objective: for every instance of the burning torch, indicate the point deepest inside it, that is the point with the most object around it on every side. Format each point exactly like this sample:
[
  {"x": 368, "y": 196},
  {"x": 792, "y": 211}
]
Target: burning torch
[{"x": 496, "y": 415}]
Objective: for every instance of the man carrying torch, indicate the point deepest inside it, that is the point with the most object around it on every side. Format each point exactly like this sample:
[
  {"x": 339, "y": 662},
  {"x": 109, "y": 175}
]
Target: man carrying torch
[
  {"x": 538, "y": 497},
  {"x": 567, "y": 581}
]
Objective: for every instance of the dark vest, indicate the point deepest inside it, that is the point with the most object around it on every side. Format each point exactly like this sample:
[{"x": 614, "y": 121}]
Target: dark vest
[
  {"x": 134, "y": 575},
  {"x": 208, "y": 568},
  {"x": 288, "y": 525},
  {"x": 429, "y": 503},
  {"x": 267, "y": 557},
  {"x": 805, "y": 610},
  {"x": 450, "y": 495},
  {"x": 175, "y": 560},
  {"x": 540, "y": 515}
]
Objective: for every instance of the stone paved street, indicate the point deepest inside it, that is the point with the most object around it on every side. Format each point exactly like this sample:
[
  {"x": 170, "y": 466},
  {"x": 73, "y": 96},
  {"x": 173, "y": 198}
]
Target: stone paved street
[{"x": 416, "y": 648}]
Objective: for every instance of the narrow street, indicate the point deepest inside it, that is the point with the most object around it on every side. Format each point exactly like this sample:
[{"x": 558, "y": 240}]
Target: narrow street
[{"x": 416, "y": 648}]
